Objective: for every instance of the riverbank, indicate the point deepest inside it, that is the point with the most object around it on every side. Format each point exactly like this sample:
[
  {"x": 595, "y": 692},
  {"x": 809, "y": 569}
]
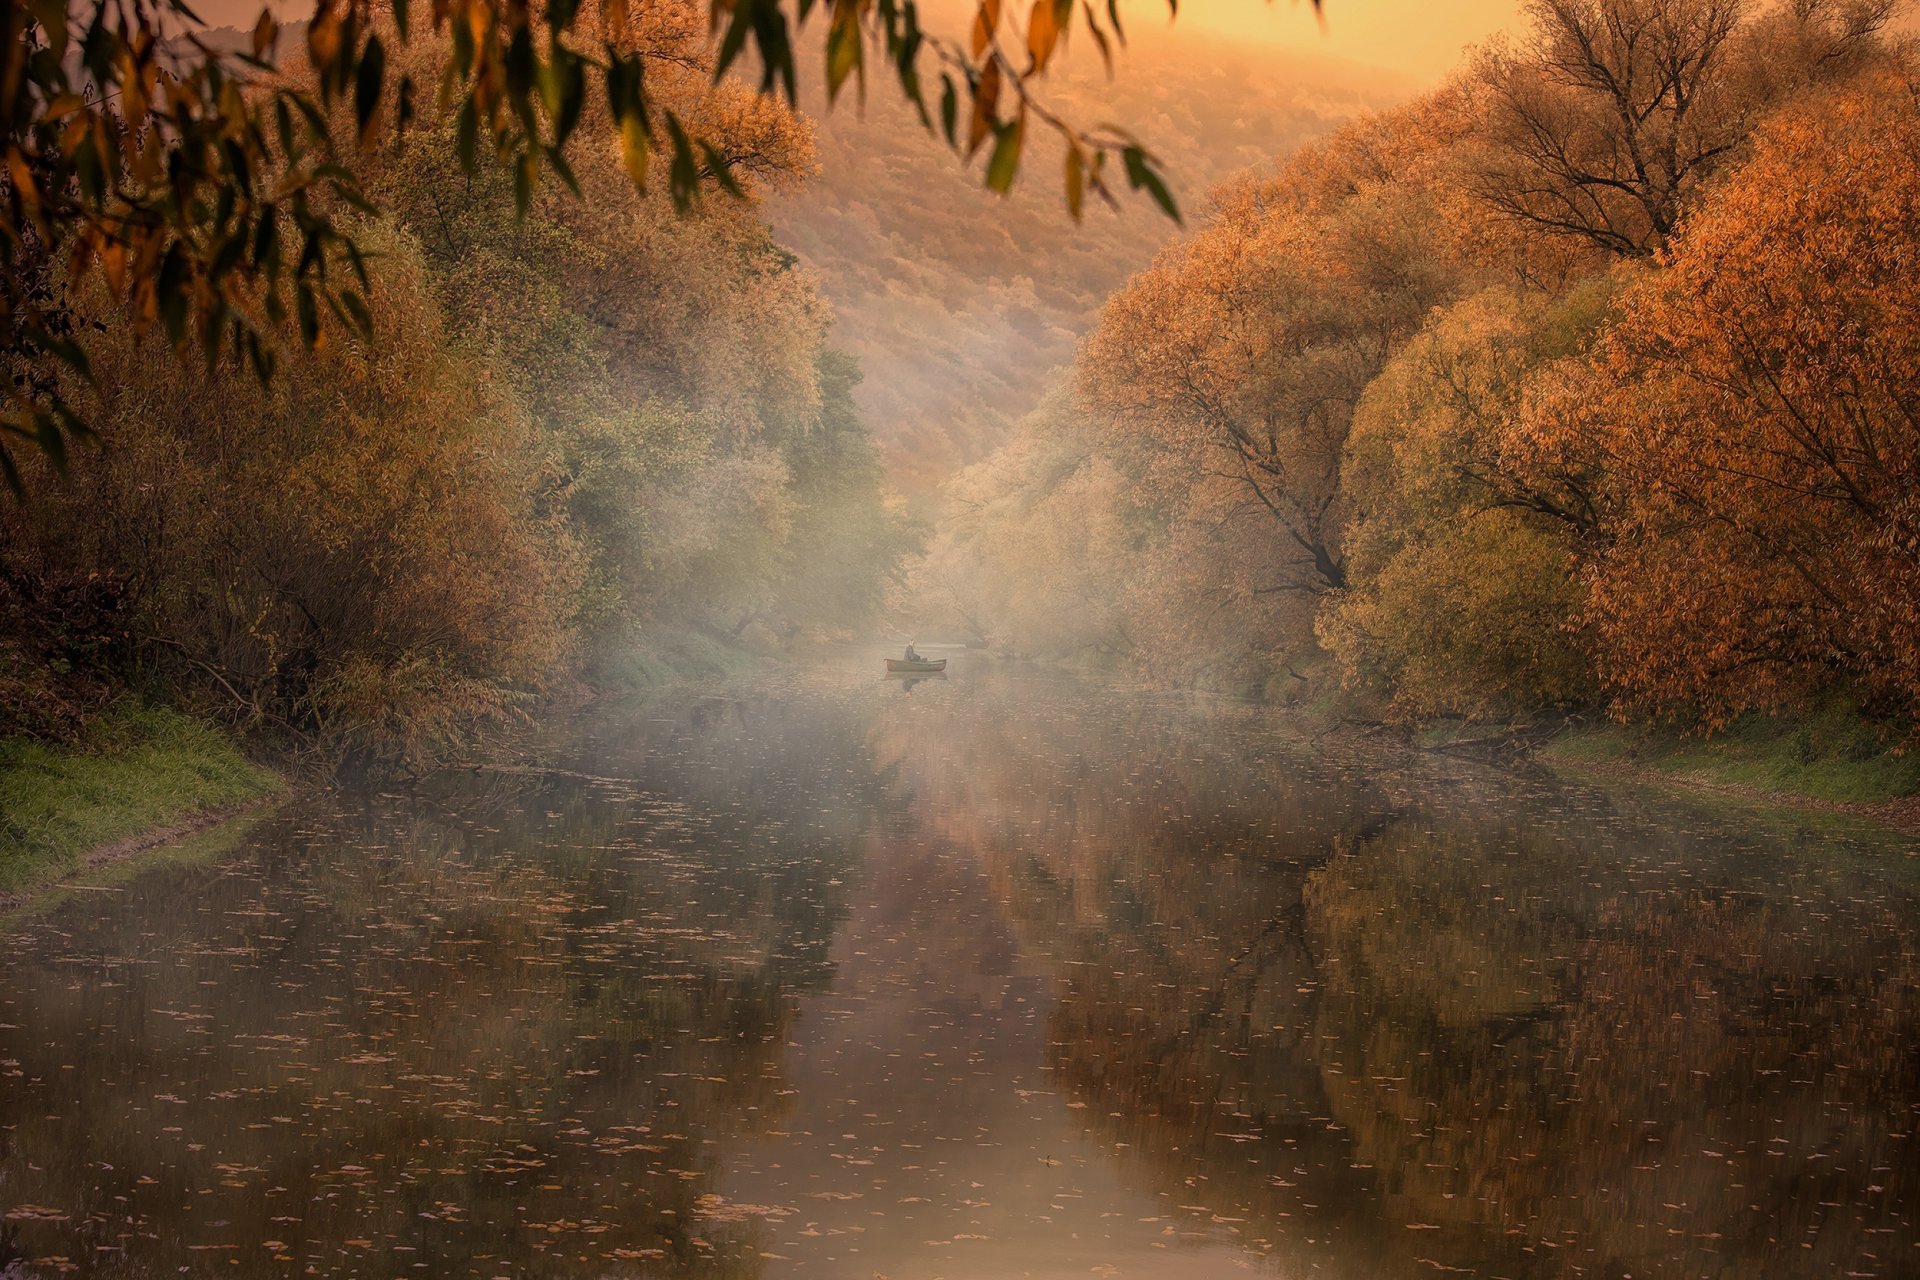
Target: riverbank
[
  {"x": 1830, "y": 760},
  {"x": 141, "y": 776}
]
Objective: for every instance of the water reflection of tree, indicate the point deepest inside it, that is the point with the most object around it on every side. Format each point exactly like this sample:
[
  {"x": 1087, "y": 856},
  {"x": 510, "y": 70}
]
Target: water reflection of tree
[
  {"x": 1630, "y": 1070},
  {"x": 505, "y": 1024},
  {"x": 1168, "y": 892},
  {"x": 1452, "y": 1017}
]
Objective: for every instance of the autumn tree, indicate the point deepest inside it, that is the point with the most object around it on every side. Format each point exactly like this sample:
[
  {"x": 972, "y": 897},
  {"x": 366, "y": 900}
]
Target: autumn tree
[
  {"x": 577, "y": 427},
  {"x": 1463, "y": 580},
  {"x": 1036, "y": 545},
  {"x": 710, "y": 453},
  {"x": 1240, "y": 354},
  {"x": 1606, "y": 120},
  {"x": 1755, "y": 406},
  {"x": 354, "y": 559},
  {"x": 845, "y": 555}
]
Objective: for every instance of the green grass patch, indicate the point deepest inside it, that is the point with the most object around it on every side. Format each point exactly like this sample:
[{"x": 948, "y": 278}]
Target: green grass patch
[
  {"x": 1833, "y": 754},
  {"x": 204, "y": 849},
  {"x": 140, "y": 770}
]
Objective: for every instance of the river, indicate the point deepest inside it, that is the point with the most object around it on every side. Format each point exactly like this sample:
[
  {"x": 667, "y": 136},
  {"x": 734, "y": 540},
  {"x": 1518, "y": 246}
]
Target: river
[{"x": 998, "y": 975}]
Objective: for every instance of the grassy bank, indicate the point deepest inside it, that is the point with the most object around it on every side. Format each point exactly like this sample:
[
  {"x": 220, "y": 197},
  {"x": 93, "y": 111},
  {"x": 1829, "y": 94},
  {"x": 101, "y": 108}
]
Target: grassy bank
[
  {"x": 141, "y": 773},
  {"x": 1832, "y": 758}
]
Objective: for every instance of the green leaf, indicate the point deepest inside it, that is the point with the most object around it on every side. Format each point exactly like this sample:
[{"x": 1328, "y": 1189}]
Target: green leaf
[
  {"x": 1099, "y": 37},
  {"x": 627, "y": 92},
  {"x": 358, "y": 314},
  {"x": 462, "y": 48},
  {"x": 466, "y": 131},
  {"x": 309, "y": 313},
  {"x": 403, "y": 108},
  {"x": 844, "y": 49},
  {"x": 521, "y": 66},
  {"x": 92, "y": 175},
  {"x": 949, "y": 110},
  {"x": 99, "y": 47},
  {"x": 557, "y": 161},
  {"x": 65, "y": 350},
  {"x": 358, "y": 261},
  {"x": 52, "y": 442},
  {"x": 721, "y": 171},
  {"x": 1004, "y": 163},
  {"x": 767, "y": 24},
  {"x": 52, "y": 17},
  {"x": 261, "y": 357},
  {"x": 170, "y": 293},
  {"x": 525, "y": 172},
  {"x": 684, "y": 177},
  {"x": 266, "y": 237},
  {"x": 316, "y": 122},
  {"x": 572, "y": 96},
  {"x": 735, "y": 39},
  {"x": 1141, "y": 173}
]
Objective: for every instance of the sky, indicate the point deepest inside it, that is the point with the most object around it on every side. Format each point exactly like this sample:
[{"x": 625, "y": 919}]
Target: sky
[{"x": 1419, "y": 38}]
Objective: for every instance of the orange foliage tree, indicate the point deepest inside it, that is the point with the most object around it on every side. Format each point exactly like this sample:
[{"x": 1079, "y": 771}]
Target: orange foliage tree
[
  {"x": 1240, "y": 353},
  {"x": 1756, "y": 410},
  {"x": 1610, "y": 117}
]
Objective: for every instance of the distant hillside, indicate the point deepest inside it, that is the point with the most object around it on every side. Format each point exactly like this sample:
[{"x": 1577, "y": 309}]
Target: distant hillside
[{"x": 957, "y": 302}]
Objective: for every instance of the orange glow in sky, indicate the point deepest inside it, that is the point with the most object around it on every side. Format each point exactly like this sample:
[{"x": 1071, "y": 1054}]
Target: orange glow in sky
[
  {"x": 1420, "y": 38},
  {"x": 1423, "y": 38}
]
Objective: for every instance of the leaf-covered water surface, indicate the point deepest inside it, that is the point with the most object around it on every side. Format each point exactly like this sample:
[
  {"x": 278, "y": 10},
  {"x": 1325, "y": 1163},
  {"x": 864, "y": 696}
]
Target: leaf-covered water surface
[{"x": 1000, "y": 977}]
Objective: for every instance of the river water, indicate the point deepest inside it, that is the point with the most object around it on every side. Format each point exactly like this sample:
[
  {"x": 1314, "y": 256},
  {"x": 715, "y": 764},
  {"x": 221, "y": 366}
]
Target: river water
[{"x": 999, "y": 975}]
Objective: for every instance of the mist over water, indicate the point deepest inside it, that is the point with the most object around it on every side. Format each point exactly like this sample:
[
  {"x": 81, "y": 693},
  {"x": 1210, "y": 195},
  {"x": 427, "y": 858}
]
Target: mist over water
[{"x": 1000, "y": 974}]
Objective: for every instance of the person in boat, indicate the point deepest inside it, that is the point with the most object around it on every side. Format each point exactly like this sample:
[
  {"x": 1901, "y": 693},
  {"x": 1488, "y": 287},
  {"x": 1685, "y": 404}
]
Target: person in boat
[{"x": 913, "y": 655}]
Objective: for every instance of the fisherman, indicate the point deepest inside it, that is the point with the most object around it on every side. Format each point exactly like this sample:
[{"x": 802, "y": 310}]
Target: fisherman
[{"x": 912, "y": 654}]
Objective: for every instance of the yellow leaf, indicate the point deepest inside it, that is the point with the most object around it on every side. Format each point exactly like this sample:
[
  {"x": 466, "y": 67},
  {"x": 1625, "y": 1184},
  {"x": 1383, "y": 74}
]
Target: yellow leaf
[{"x": 635, "y": 148}]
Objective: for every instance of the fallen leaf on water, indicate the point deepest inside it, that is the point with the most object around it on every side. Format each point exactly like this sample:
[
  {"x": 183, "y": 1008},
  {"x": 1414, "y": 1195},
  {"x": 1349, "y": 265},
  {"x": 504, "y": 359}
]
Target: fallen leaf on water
[{"x": 33, "y": 1213}]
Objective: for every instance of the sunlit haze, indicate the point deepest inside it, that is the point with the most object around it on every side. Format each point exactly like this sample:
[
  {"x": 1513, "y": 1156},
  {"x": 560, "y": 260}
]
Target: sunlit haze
[{"x": 1295, "y": 657}]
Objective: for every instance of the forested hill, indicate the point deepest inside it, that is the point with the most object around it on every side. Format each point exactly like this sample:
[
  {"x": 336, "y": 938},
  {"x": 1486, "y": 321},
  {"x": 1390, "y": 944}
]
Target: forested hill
[{"x": 958, "y": 303}]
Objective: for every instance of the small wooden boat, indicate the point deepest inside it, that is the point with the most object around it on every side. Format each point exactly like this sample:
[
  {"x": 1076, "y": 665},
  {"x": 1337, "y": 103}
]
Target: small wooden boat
[{"x": 901, "y": 667}]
